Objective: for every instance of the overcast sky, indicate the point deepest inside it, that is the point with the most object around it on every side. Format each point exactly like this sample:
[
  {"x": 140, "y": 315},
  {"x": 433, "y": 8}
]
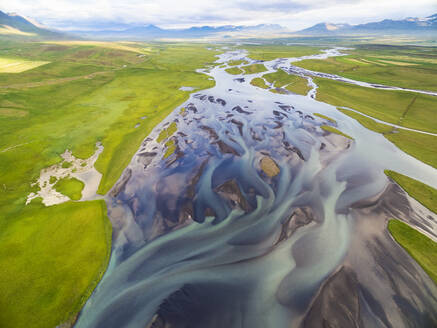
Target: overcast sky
[{"x": 294, "y": 14}]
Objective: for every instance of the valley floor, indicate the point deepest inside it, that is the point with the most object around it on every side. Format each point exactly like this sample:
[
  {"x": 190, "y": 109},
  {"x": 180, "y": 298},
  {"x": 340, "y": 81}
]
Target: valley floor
[{"x": 76, "y": 95}]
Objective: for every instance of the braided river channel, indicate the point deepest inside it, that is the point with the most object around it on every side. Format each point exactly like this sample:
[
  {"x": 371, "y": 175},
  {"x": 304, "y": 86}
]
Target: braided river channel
[{"x": 259, "y": 218}]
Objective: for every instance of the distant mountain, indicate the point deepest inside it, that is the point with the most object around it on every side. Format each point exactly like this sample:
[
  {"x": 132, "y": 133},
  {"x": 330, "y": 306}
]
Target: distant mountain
[
  {"x": 325, "y": 28},
  {"x": 13, "y": 24},
  {"x": 410, "y": 25},
  {"x": 145, "y": 32}
]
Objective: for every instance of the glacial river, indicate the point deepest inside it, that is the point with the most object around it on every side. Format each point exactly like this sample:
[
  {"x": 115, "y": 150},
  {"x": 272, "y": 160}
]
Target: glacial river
[{"x": 204, "y": 238}]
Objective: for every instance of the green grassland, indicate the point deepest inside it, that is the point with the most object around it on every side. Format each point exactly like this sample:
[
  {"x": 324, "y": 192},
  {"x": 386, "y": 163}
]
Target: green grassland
[
  {"x": 271, "y": 52},
  {"x": 254, "y": 68},
  {"x": 70, "y": 187},
  {"x": 236, "y": 62},
  {"x": 293, "y": 83},
  {"x": 416, "y": 111},
  {"x": 259, "y": 82},
  {"x": 419, "y": 246},
  {"x": 421, "y": 146},
  {"x": 51, "y": 259},
  {"x": 11, "y": 65},
  {"x": 234, "y": 70},
  {"x": 403, "y": 66},
  {"x": 87, "y": 93}
]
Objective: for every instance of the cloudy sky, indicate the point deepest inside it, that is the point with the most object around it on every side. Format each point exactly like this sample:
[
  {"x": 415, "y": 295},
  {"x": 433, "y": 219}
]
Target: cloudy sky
[{"x": 294, "y": 14}]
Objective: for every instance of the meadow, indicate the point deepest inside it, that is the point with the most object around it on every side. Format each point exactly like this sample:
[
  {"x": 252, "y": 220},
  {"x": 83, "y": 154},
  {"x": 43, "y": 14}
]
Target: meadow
[
  {"x": 293, "y": 83},
  {"x": 268, "y": 52},
  {"x": 411, "y": 67},
  {"x": 51, "y": 259},
  {"x": 406, "y": 109},
  {"x": 113, "y": 93}
]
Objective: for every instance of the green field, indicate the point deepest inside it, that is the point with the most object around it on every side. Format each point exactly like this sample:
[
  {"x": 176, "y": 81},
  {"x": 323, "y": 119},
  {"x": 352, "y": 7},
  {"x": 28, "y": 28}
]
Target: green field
[
  {"x": 419, "y": 246},
  {"x": 234, "y": 70},
  {"x": 407, "y": 109},
  {"x": 70, "y": 187},
  {"x": 89, "y": 92},
  {"x": 51, "y": 259},
  {"x": 293, "y": 83},
  {"x": 236, "y": 62},
  {"x": 259, "y": 82},
  {"x": 421, "y": 146},
  {"x": 254, "y": 68},
  {"x": 403, "y": 66},
  {"x": 15, "y": 65},
  {"x": 273, "y": 51}
]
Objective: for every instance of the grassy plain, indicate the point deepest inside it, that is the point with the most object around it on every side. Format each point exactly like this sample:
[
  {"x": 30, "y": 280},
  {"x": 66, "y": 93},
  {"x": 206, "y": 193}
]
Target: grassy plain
[
  {"x": 16, "y": 65},
  {"x": 236, "y": 62},
  {"x": 259, "y": 82},
  {"x": 410, "y": 67},
  {"x": 270, "y": 52},
  {"x": 51, "y": 259},
  {"x": 254, "y": 68},
  {"x": 70, "y": 187},
  {"x": 421, "y": 146},
  {"x": 87, "y": 93},
  {"x": 234, "y": 70},
  {"x": 293, "y": 83},
  {"x": 416, "y": 111},
  {"x": 419, "y": 246}
]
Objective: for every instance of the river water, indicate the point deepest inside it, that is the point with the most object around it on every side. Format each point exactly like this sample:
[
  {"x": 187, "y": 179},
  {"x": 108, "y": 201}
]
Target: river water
[{"x": 205, "y": 238}]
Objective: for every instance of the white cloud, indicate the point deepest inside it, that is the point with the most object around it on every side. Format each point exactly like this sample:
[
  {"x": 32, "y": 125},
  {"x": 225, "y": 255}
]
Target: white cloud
[{"x": 294, "y": 14}]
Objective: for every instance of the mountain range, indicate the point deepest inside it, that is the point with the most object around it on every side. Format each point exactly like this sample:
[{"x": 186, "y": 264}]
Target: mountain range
[
  {"x": 155, "y": 32},
  {"x": 14, "y": 24},
  {"x": 410, "y": 25}
]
